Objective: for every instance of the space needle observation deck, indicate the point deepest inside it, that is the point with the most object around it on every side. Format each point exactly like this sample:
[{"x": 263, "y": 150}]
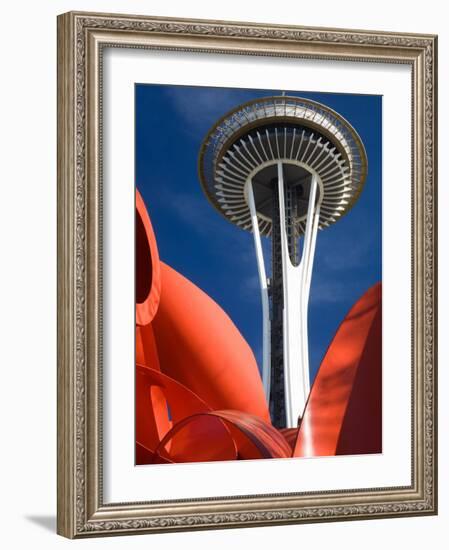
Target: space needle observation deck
[{"x": 283, "y": 167}]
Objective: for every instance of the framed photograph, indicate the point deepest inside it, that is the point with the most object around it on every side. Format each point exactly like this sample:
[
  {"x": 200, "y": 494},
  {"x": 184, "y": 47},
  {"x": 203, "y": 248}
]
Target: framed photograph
[{"x": 246, "y": 274}]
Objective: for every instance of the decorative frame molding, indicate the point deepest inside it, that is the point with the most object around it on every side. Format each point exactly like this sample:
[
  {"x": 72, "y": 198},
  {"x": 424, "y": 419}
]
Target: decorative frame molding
[{"x": 81, "y": 38}]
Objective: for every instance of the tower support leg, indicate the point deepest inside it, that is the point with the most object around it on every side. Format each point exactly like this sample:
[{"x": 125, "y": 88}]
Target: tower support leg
[
  {"x": 266, "y": 329},
  {"x": 296, "y": 290}
]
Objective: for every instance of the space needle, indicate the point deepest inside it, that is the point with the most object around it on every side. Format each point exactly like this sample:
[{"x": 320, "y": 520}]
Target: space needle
[{"x": 283, "y": 167}]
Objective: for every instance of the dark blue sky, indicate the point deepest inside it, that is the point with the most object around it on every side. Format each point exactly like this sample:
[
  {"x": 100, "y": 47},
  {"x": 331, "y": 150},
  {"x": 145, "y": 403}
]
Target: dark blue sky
[{"x": 171, "y": 122}]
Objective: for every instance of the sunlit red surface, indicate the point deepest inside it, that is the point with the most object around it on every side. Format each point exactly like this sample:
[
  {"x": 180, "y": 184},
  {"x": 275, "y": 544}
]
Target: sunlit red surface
[{"x": 199, "y": 395}]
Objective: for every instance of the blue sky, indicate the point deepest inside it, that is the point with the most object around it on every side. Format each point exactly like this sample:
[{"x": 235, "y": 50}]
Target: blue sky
[{"x": 171, "y": 123}]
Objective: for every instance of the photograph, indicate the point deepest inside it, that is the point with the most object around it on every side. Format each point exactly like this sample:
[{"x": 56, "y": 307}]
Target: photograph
[
  {"x": 223, "y": 237},
  {"x": 247, "y": 284},
  {"x": 258, "y": 274}
]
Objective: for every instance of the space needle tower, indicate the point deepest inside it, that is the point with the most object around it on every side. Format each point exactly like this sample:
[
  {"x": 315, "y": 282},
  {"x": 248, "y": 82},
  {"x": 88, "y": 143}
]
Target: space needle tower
[{"x": 283, "y": 167}]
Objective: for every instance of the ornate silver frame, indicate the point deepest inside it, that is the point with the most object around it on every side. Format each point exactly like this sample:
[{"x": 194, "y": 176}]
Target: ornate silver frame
[{"x": 81, "y": 38}]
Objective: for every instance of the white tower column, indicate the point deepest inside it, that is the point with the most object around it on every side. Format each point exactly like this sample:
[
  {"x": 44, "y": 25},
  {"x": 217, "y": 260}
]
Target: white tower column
[
  {"x": 296, "y": 290},
  {"x": 266, "y": 328}
]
